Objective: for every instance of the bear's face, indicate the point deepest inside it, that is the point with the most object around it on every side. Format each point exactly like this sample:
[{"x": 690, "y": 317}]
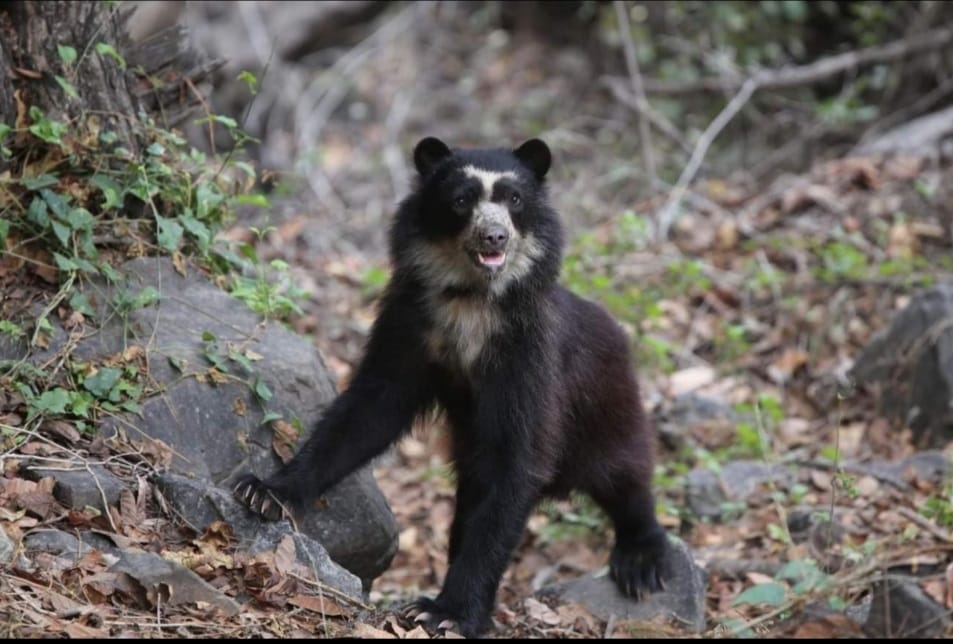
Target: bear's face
[{"x": 480, "y": 214}]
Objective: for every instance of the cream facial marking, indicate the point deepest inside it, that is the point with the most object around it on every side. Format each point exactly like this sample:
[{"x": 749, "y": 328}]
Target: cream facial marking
[
  {"x": 525, "y": 253},
  {"x": 488, "y": 215},
  {"x": 487, "y": 178}
]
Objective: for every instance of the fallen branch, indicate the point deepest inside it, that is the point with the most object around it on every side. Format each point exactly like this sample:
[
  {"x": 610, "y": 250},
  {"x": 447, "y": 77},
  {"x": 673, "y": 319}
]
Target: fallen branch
[
  {"x": 739, "y": 568},
  {"x": 799, "y": 75},
  {"x": 925, "y": 523}
]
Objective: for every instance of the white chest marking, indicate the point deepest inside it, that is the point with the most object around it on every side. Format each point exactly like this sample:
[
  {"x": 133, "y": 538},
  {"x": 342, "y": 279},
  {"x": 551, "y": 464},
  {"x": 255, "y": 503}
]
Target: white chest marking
[{"x": 462, "y": 328}]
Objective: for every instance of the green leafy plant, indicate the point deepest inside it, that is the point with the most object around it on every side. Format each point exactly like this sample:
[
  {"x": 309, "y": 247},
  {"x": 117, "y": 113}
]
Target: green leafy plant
[
  {"x": 582, "y": 517},
  {"x": 271, "y": 291},
  {"x": 840, "y": 260},
  {"x": 223, "y": 355}
]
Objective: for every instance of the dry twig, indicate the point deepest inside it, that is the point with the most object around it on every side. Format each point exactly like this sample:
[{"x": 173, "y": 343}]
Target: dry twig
[{"x": 666, "y": 215}]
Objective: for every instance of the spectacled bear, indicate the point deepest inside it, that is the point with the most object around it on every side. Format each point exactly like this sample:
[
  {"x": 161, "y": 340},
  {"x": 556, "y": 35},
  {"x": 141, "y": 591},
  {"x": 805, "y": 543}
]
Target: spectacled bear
[{"x": 537, "y": 384}]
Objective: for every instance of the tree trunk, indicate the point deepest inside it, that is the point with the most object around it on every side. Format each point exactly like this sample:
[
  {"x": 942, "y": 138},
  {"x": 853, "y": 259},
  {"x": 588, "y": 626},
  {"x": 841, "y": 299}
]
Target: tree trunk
[
  {"x": 96, "y": 92},
  {"x": 32, "y": 35}
]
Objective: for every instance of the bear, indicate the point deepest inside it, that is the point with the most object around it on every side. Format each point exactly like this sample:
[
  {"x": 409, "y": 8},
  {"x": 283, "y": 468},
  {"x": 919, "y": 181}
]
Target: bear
[{"x": 537, "y": 385}]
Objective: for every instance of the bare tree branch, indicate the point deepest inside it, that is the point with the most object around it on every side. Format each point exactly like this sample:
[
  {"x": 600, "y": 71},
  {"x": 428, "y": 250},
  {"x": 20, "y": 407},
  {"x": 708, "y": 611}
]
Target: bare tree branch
[
  {"x": 662, "y": 124},
  {"x": 799, "y": 75},
  {"x": 666, "y": 215},
  {"x": 632, "y": 64}
]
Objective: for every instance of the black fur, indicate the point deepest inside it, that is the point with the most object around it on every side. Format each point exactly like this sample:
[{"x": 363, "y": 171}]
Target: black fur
[{"x": 537, "y": 384}]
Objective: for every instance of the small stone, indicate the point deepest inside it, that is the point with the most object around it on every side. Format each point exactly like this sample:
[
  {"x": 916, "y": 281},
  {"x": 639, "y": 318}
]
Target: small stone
[
  {"x": 682, "y": 603},
  {"x": 79, "y": 488},
  {"x": 706, "y": 491},
  {"x": 60, "y": 543}
]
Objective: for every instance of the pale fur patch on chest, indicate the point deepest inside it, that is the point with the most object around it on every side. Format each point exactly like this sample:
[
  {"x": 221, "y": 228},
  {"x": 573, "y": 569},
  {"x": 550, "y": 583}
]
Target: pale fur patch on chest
[{"x": 462, "y": 328}]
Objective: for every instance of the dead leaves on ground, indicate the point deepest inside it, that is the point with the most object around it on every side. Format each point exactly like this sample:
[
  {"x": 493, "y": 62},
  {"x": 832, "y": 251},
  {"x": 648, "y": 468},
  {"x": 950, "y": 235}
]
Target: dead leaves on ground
[{"x": 79, "y": 593}]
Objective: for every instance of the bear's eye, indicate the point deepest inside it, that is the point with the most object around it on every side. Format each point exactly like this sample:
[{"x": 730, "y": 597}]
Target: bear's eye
[
  {"x": 515, "y": 199},
  {"x": 460, "y": 203}
]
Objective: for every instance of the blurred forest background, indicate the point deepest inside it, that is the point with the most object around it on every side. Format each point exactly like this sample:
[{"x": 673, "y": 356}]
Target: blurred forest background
[
  {"x": 636, "y": 98},
  {"x": 755, "y": 190}
]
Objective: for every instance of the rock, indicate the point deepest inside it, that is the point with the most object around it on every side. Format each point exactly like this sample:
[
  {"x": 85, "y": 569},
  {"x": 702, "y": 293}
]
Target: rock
[
  {"x": 79, "y": 488},
  {"x": 688, "y": 411},
  {"x": 706, "y": 491},
  {"x": 919, "y": 136},
  {"x": 182, "y": 586},
  {"x": 213, "y": 424},
  {"x": 832, "y": 623},
  {"x": 200, "y": 503},
  {"x": 900, "y": 608},
  {"x": 931, "y": 466},
  {"x": 682, "y": 603},
  {"x": 7, "y": 548},
  {"x": 66, "y": 549},
  {"x": 910, "y": 365},
  {"x": 59, "y": 543},
  {"x": 309, "y": 553},
  {"x": 703, "y": 493},
  {"x": 99, "y": 542}
]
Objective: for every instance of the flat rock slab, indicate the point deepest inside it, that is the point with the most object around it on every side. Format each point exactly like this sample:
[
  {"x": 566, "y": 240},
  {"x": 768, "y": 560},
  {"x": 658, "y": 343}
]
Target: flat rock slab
[
  {"x": 682, "y": 604},
  {"x": 184, "y": 586}
]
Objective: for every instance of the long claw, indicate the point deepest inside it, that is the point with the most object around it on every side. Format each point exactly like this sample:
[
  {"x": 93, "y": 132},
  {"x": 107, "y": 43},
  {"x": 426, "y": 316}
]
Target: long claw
[
  {"x": 447, "y": 625},
  {"x": 422, "y": 617}
]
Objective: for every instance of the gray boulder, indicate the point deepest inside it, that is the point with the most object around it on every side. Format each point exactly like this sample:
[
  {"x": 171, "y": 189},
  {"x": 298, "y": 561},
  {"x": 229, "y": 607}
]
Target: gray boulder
[
  {"x": 682, "y": 603},
  {"x": 910, "y": 365},
  {"x": 212, "y": 419},
  {"x": 200, "y": 503}
]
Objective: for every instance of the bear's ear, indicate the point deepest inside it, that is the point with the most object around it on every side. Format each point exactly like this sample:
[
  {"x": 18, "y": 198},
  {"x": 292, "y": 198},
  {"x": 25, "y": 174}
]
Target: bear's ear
[
  {"x": 536, "y": 156},
  {"x": 428, "y": 153}
]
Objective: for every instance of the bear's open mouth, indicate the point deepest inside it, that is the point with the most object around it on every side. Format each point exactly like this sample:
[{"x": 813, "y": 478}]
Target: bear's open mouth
[{"x": 491, "y": 259}]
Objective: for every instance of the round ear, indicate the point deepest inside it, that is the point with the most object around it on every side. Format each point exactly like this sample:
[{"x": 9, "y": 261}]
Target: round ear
[
  {"x": 536, "y": 156},
  {"x": 428, "y": 153}
]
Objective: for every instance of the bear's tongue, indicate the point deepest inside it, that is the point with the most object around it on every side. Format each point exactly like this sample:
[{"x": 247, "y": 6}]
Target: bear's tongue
[{"x": 492, "y": 259}]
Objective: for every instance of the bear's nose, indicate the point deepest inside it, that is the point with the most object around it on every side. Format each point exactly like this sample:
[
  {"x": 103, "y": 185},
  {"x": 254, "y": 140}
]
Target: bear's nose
[{"x": 496, "y": 236}]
